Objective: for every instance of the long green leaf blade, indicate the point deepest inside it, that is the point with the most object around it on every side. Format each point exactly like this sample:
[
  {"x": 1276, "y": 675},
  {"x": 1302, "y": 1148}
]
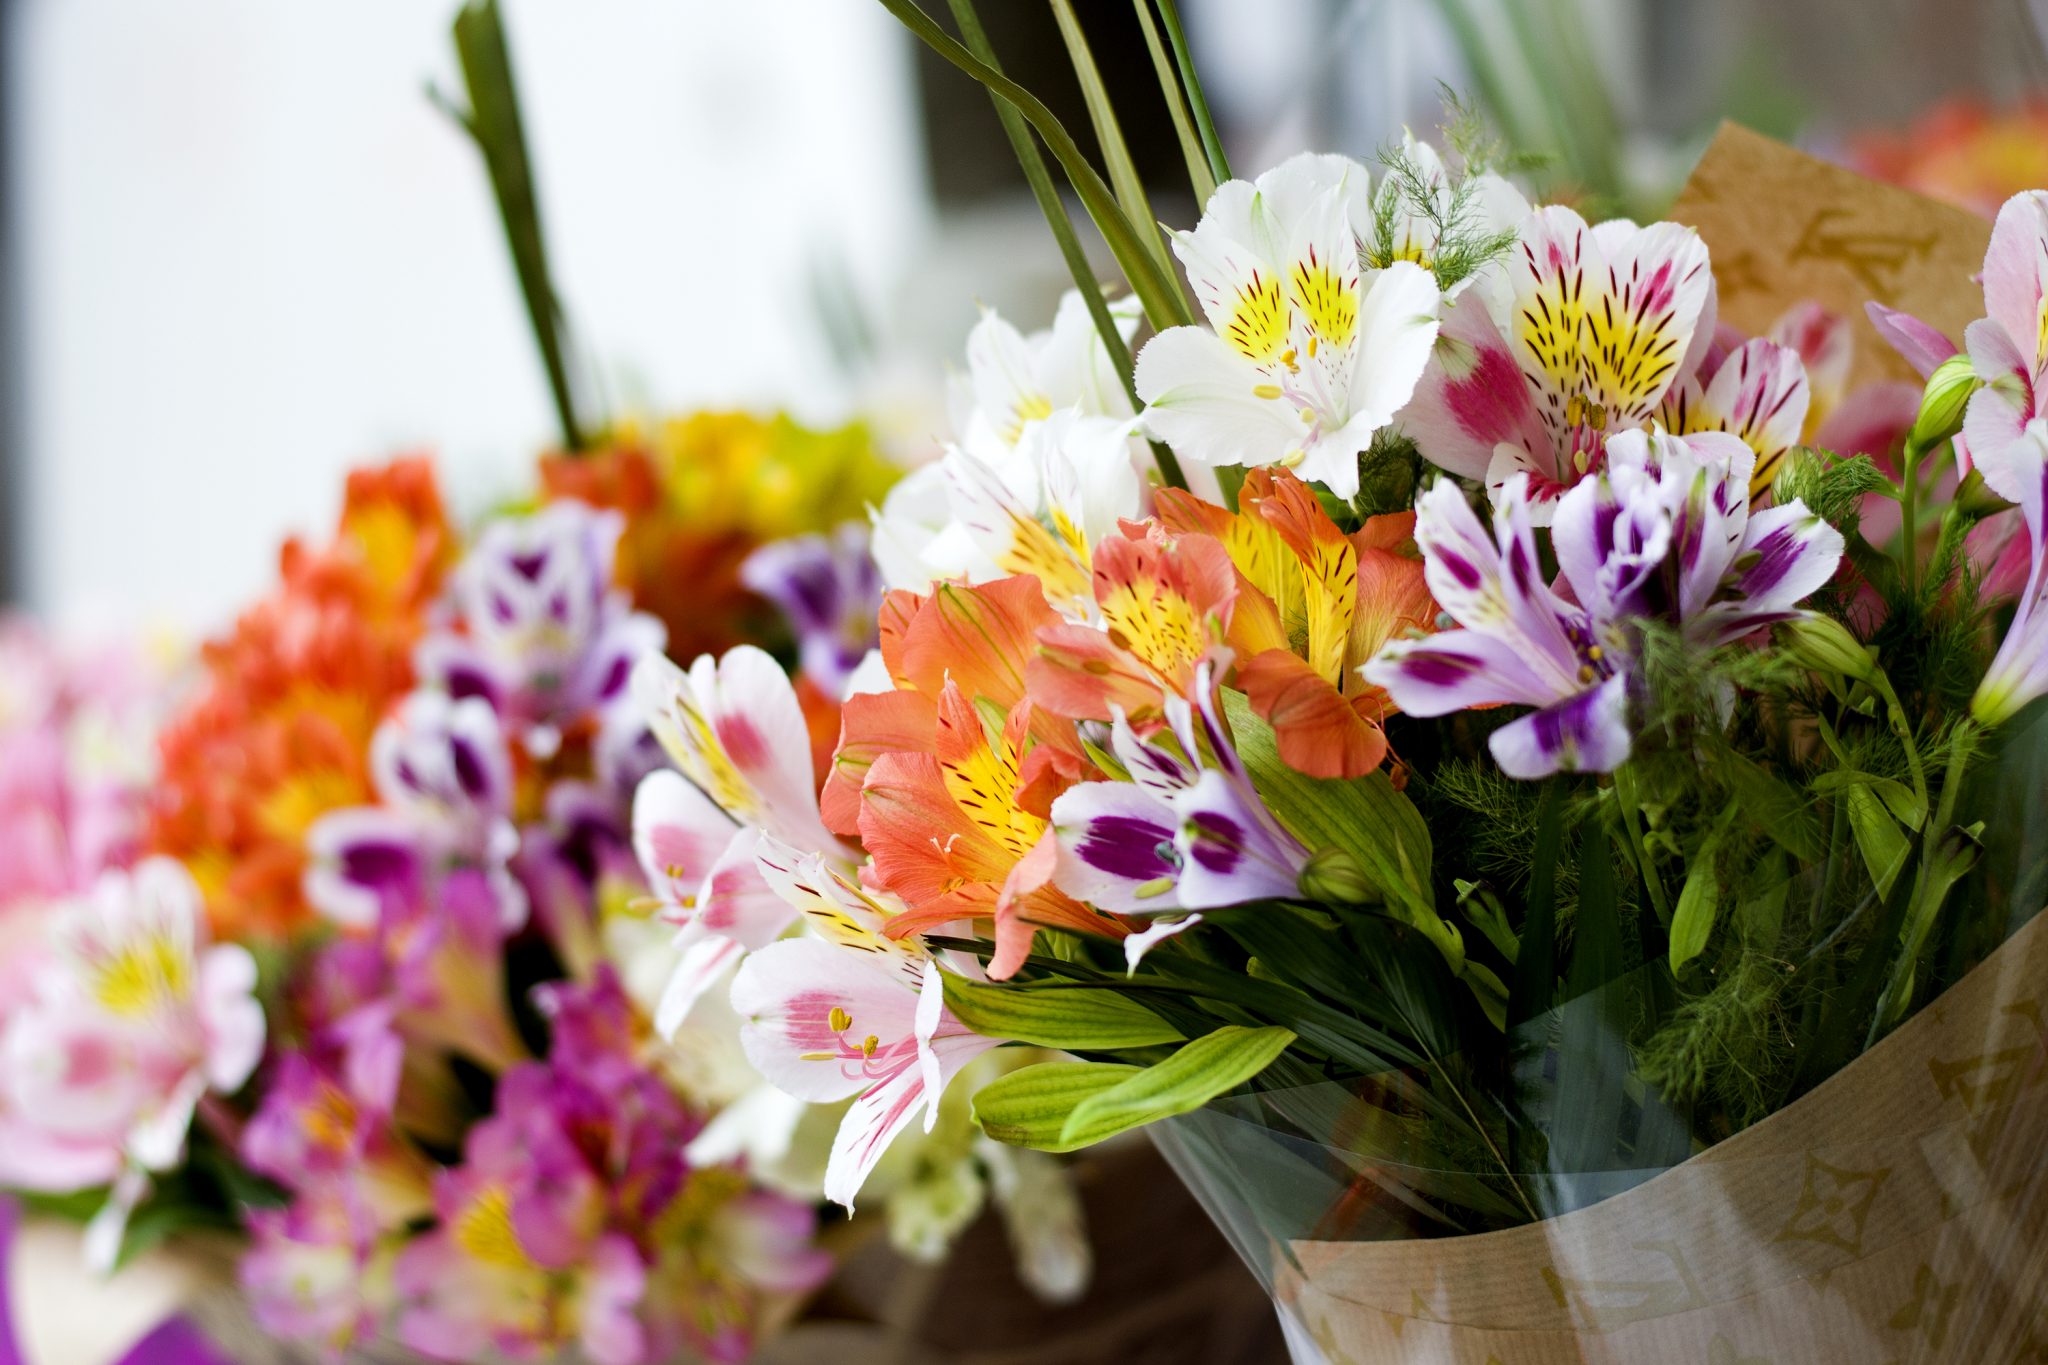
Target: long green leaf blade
[
  {"x": 1200, "y": 177},
  {"x": 1030, "y": 1107},
  {"x": 1071, "y": 1018},
  {"x": 1190, "y": 1078},
  {"x": 1109, "y": 134},
  {"x": 494, "y": 122}
]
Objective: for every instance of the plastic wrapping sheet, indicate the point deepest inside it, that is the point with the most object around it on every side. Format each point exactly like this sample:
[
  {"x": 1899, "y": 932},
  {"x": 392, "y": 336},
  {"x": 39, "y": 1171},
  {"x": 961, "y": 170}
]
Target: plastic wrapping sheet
[{"x": 1897, "y": 1212}]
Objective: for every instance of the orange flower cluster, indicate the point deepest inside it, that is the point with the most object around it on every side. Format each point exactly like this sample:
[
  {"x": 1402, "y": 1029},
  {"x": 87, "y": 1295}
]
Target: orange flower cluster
[
  {"x": 1964, "y": 152},
  {"x": 278, "y": 732}
]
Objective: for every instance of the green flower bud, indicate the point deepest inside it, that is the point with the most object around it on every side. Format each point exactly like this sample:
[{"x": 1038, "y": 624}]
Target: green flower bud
[
  {"x": 1825, "y": 645},
  {"x": 1942, "y": 402},
  {"x": 1336, "y": 877}
]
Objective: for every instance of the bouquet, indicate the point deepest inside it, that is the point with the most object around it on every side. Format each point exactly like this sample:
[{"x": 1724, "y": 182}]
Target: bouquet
[{"x": 1507, "y": 773}]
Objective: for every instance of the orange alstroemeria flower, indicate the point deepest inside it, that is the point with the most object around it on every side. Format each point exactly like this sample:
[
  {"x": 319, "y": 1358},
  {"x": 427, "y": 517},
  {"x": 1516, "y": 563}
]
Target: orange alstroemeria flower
[
  {"x": 1166, "y": 603},
  {"x": 949, "y": 780},
  {"x": 1313, "y": 605},
  {"x": 278, "y": 732}
]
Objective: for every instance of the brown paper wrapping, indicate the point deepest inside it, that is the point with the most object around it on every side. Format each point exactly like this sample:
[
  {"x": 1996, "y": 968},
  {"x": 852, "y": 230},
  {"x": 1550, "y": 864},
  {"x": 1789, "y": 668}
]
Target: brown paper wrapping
[
  {"x": 1781, "y": 227},
  {"x": 1896, "y": 1213}
]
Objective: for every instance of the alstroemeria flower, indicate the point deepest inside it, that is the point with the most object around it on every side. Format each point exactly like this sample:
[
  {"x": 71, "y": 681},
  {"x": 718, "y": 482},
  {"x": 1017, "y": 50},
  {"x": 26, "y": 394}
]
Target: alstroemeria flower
[
  {"x": 1044, "y": 462},
  {"x": 948, "y": 777},
  {"x": 736, "y": 730},
  {"x": 2009, "y": 347},
  {"x": 829, "y": 590},
  {"x": 444, "y": 777},
  {"x": 315, "y": 1270},
  {"x": 2019, "y": 672},
  {"x": 1164, "y": 602},
  {"x": 546, "y": 638},
  {"x": 1664, "y": 531},
  {"x": 1307, "y": 352},
  {"x": 1490, "y": 204},
  {"x": 1188, "y": 831},
  {"x": 135, "y": 1019},
  {"x": 1604, "y": 324},
  {"x": 1312, "y": 605},
  {"x": 852, "y": 1012}
]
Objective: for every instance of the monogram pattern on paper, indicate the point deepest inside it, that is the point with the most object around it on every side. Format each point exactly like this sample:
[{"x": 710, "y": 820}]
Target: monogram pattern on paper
[
  {"x": 1606, "y": 1304},
  {"x": 1875, "y": 257},
  {"x": 1929, "y": 1309},
  {"x": 1988, "y": 1082},
  {"x": 1738, "y": 272},
  {"x": 1833, "y": 1206}
]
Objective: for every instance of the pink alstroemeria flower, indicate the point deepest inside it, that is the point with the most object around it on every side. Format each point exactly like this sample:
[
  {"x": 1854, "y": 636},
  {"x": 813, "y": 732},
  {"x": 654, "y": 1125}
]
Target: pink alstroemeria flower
[
  {"x": 134, "y": 1018},
  {"x": 2009, "y": 346},
  {"x": 850, "y": 1012},
  {"x": 736, "y": 730},
  {"x": 1610, "y": 328},
  {"x": 2019, "y": 672}
]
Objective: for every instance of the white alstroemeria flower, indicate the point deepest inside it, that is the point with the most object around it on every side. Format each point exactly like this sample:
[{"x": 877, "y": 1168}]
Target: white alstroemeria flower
[
  {"x": 1046, "y": 462},
  {"x": 1307, "y": 353}
]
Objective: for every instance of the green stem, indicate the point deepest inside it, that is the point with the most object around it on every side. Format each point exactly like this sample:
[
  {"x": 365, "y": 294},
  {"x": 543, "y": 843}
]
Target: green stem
[
  {"x": 1191, "y": 149},
  {"x": 493, "y": 121},
  {"x": 1909, "y": 521},
  {"x": 1109, "y": 134},
  {"x": 1159, "y": 294},
  {"x": 1219, "y": 164},
  {"x": 1047, "y": 194},
  {"x": 1625, "y": 798}
]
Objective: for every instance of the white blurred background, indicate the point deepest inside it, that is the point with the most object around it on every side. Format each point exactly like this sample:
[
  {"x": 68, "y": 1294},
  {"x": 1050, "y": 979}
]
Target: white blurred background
[{"x": 250, "y": 253}]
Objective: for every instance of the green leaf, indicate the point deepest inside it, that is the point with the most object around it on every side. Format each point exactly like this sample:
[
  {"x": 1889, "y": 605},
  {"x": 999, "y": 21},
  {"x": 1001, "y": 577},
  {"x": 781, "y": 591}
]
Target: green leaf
[
  {"x": 1692, "y": 922},
  {"x": 1199, "y": 176},
  {"x": 1029, "y": 1107},
  {"x": 1109, "y": 135},
  {"x": 1898, "y": 798},
  {"x": 1535, "y": 982},
  {"x": 1073, "y": 1018},
  {"x": 1365, "y": 817},
  {"x": 1771, "y": 806},
  {"x": 1190, "y": 1078},
  {"x": 1699, "y": 900},
  {"x": 493, "y": 120},
  {"x": 1878, "y": 837},
  {"x": 1158, "y": 291}
]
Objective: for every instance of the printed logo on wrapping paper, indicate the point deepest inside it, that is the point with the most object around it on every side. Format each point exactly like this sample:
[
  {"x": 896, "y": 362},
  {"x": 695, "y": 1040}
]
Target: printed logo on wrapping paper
[
  {"x": 1834, "y": 1205},
  {"x": 1928, "y": 1311},
  {"x": 1874, "y": 256},
  {"x": 1603, "y": 1305},
  {"x": 1989, "y": 1082}
]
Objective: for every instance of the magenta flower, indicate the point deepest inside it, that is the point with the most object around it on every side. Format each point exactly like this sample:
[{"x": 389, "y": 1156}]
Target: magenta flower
[
  {"x": 316, "y": 1270},
  {"x": 1665, "y": 532}
]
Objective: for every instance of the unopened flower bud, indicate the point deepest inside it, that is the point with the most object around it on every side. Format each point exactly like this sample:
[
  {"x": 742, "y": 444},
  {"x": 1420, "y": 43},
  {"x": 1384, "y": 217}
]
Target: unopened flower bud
[
  {"x": 1335, "y": 876},
  {"x": 1826, "y": 646},
  {"x": 1942, "y": 402}
]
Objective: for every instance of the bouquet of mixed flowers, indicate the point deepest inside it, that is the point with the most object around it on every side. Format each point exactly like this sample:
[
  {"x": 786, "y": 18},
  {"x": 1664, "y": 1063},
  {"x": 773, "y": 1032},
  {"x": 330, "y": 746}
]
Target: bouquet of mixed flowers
[{"x": 1461, "y": 737}]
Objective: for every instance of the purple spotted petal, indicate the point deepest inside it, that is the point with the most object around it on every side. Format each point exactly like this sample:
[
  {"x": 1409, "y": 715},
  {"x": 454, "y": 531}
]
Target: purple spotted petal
[
  {"x": 1116, "y": 848},
  {"x": 1586, "y": 733}
]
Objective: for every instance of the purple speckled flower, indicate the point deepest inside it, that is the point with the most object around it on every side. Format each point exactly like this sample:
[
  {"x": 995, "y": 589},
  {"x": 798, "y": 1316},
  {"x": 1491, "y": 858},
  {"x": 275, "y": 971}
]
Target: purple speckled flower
[
  {"x": 546, "y": 638},
  {"x": 1180, "y": 835},
  {"x": 1663, "y": 532},
  {"x": 830, "y": 590}
]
